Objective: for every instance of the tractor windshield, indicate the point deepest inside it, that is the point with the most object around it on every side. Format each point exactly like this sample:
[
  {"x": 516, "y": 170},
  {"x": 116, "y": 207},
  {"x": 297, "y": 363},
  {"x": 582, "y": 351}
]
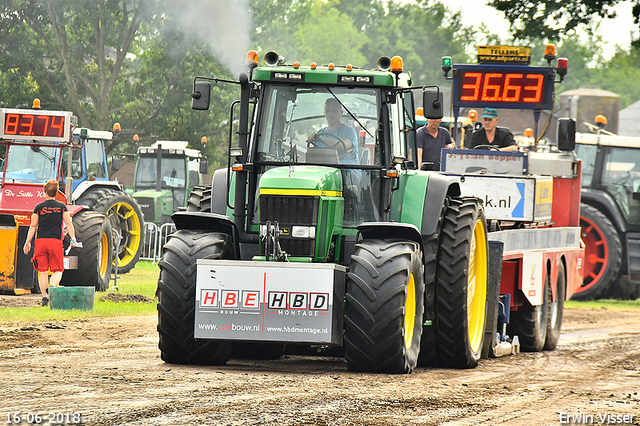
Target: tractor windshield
[
  {"x": 172, "y": 172},
  {"x": 311, "y": 125},
  {"x": 337, "y": 127},
  {"x": 30, "y": 164}
]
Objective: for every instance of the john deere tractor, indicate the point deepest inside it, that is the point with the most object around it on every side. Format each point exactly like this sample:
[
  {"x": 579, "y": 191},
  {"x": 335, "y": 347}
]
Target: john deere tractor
[
  {"x": 323, "y": 234},
  {"x": 326, "y": 238}
]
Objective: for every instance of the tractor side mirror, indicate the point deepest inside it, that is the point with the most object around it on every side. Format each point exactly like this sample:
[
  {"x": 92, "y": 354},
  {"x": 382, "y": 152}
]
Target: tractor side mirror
[
  {"x": 566, "y": 134},
  {"x": 200, "y": 95},
  {"x": 204, "y": 166},
  {"x": 115, "y": 164},
  {"x": 432, "y": 104}
]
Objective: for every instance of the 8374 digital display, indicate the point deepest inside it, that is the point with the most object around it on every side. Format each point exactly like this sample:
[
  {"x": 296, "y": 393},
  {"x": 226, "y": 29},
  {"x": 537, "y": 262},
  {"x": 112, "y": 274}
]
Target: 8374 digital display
[
  {"x": 38, "y": 125},
  {"x": 503, "y": 86}
]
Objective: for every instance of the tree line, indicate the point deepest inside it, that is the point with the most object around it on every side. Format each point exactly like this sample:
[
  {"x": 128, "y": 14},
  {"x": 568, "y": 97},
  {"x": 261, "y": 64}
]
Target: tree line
[{"x": 133, "y": 61}]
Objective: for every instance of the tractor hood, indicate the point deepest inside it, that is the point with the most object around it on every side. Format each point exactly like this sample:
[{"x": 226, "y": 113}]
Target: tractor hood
[
  {"x": 302, "y": 180},
  {"x": 155, "y": 204},
  {"x": 306, "y": 198},
  {"x": 152, "y": 193}
]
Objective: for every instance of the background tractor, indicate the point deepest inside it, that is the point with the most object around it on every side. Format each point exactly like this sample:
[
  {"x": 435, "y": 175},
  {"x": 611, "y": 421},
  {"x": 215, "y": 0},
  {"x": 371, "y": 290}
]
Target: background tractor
[
  {"x": 91, "y": 187},
  {"x": 34, "y": 141},
  {"x": 610, "y": 214},
  {"x": 165, "y": 175}
]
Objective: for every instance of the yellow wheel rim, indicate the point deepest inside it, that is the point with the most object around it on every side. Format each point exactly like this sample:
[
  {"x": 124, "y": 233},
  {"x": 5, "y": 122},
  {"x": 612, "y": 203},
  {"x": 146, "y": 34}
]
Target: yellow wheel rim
[
  {"x": 410, "y": 312},
  {"x": 477, "y": 286},
  {"x": 103, "y": 254},
  {"x": 125, "y": 220}
]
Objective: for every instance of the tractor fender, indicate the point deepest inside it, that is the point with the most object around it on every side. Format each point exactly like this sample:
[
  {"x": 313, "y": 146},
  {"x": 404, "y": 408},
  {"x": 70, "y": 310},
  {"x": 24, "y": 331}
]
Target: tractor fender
[
  {"x": 74, "y": 209},
  {"x": 403, "y": 231},
  {"x": 438, "y": 188},
  {"x": 605, "y": 203},
  {"x": 210, "y": 222},
  {"x": 84, "y": 186},
  {"x": 219, "y": 191}
]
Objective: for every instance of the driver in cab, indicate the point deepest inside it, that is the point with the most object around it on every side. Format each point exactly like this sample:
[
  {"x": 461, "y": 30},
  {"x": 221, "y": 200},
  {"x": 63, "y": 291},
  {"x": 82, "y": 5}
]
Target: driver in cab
[
  {"x": 491, "y": 136},
  {"x": 336, "y": 134}
]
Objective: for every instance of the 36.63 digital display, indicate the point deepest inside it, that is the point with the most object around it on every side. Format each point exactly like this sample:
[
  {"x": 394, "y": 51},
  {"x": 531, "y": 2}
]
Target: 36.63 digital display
[
  {"x": 46, "y": 126},
  {"x": 502, "y": 87}
]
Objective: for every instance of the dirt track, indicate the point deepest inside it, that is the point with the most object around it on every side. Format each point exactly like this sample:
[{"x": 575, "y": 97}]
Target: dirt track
[{"x": 110, "y": 371}]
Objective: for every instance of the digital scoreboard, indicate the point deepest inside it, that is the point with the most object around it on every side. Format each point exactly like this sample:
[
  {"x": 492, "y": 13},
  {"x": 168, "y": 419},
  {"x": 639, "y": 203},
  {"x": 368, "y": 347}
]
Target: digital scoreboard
[
  {"x": 503, "y": 86},
  {"x": 38, "y": 125}
]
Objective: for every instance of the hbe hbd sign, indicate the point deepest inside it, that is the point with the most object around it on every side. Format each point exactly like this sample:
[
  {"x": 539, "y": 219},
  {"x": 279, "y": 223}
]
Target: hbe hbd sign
[{"x": 269, "y": 301}]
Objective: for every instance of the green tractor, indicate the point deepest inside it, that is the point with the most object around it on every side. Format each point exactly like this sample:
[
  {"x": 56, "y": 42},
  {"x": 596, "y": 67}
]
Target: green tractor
[
  {"x": 327, "y": 236},
  {"x": 165, "y": 175}
]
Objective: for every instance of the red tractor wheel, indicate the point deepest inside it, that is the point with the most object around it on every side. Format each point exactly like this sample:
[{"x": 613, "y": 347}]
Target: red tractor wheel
[{"x": 603, "y": 254}]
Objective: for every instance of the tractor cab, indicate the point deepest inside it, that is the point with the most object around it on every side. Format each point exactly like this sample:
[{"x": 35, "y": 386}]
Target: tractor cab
[
  {"x": 341, "y": 157},
  {"x": 166, "y": 173}
]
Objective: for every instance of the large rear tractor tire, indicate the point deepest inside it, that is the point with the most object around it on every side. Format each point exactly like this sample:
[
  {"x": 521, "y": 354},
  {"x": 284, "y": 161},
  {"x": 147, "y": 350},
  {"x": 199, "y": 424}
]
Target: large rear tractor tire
[
  {"x": 384, "y": 307},
  {"x": 176, "y": 298},
  {"x": 603, "y": 254},
  {"x": 556, "y": 310},
  {"x": 93, "y": 230},
  {"x": 428, "y": 345},
  {"x": 531, "y": 323},
  {"x": 126, "y": 218},
  {"x": 623, "y": 289},
  {"x": 199, "y": 200},
  {"x": 461, "y": 298}
]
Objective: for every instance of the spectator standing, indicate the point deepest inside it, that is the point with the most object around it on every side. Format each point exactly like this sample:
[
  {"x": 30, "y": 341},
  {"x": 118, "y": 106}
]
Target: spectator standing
[
  {"x": 430, "y": 139},
  {"x": 48, "y": 253}
]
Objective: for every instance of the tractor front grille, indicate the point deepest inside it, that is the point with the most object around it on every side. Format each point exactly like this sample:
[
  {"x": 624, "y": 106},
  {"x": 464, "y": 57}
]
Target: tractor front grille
[
  {"x": 288, "y": 211},
  {"x": 148, "y": 208}
]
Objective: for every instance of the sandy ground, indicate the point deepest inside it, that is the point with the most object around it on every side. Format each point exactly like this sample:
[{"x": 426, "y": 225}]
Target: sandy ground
[{"x": 110, "y": 372}]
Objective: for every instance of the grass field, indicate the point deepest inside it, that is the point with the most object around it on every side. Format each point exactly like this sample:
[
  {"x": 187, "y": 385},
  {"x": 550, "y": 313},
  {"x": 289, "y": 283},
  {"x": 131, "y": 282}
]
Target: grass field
[{"x": 142, "y": 280}]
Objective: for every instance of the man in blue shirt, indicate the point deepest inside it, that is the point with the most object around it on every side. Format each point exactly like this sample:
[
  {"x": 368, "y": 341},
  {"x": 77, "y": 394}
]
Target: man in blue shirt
[
  {"x": 347, "y": 144},
  {"x": 340, "y": 137},
  {"x": 430, "y": 139}
]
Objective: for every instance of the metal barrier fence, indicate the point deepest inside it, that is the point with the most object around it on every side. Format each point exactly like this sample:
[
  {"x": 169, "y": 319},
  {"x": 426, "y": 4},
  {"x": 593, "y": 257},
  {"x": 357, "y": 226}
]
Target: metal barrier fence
[{"x": 154, "y": 239}]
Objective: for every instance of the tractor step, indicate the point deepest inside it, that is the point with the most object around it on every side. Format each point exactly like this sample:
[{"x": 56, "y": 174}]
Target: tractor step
[{"x": 633, "y": 257}]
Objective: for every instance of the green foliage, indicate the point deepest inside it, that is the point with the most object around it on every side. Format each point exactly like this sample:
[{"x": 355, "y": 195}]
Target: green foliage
[
  {"x": 362, "y": 31},
  {"x": 620, "y": 75},
  {"x": 75, "y": 50},
  {"x": 552, "y": 19},
  {"x": 157, "y": 104},
  {"x": 17, "y": 91},
  {"x": 307, "y": 31},
  {"x": 327, "y": 35},
  {"x": 421, "y": 34}
]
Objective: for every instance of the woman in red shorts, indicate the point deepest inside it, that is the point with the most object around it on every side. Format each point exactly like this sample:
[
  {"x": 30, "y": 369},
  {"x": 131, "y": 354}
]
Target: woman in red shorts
[{"x": 48, "y": 254}]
